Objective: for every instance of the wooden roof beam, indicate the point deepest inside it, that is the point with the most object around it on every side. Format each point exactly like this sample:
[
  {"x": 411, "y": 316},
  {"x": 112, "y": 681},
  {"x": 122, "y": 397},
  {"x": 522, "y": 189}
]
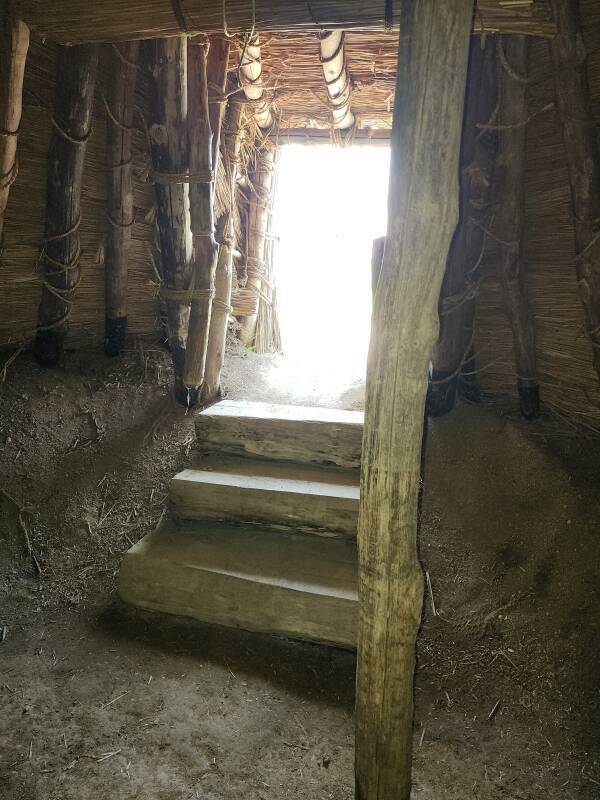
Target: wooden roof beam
[
  {"x": 251, "y": 82},
  {"x": 337, "y": 80}
]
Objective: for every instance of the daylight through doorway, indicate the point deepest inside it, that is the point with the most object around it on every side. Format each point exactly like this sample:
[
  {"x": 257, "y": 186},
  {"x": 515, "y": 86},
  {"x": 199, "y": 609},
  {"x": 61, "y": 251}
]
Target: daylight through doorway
[{"x": 331, "y": 203}]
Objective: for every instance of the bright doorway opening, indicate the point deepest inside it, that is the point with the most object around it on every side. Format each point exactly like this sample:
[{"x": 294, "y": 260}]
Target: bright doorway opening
[{"x": 330, "y": 204}]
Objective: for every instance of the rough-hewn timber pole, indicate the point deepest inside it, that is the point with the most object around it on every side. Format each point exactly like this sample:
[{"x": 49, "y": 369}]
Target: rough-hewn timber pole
[
  {"x": 423, "y": 212},
  {"x": 376, "y": 261},
  {"x": 120, "y": 107},
  {"x": 170, "y": 156},
  {"x": 14, "y": 43},
  {"x": 583, "y": 159},
  {"x": 202, "y": 221},
  {"x": 215, "y": 354},
  {"x": 59, "y": 257},
  {"x": 509, "y": 217},
  {"x": 457, "y": 300},
  {"x": 261, "y": 181},
  {"x": 216, "y": 76}
]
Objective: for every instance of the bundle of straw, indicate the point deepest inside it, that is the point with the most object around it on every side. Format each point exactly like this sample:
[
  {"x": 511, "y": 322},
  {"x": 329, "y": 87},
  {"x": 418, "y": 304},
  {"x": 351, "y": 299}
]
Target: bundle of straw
[{"x": 77, "y": 21}]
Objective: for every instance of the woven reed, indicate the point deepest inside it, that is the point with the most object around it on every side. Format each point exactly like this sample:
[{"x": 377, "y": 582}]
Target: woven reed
[
  {"x": 568, "y": 383},
  {"x": 76, "y": 21}
]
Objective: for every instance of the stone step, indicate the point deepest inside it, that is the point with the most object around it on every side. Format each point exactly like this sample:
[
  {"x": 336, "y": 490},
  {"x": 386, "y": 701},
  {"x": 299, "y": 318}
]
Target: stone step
[
  {"x": 280, "y": 432},
  {"x": 305, "y": 498},
  {"x": 297, "y": 586}
]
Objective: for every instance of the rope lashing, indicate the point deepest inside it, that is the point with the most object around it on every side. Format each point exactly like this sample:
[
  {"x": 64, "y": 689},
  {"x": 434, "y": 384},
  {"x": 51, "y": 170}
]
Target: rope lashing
[
  {"x": 125, "y": 60},
  {"x": 114, "y": 120},
  {"x": 170, "y": 178},
  {"x": 73, "y": 139},
  {"x": 186, "y": 295}
]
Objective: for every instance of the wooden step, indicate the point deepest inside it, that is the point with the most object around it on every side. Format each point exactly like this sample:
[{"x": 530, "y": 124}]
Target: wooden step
[
  {"x": 291, "y": 433},
  {"x": 261, "y": 580},
  {"x": 303, "y": 497}
]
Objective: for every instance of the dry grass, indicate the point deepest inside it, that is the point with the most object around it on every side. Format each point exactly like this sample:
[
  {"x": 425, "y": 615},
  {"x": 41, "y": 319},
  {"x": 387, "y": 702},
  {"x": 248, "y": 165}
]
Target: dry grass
[{"x": 73, "y": 21}]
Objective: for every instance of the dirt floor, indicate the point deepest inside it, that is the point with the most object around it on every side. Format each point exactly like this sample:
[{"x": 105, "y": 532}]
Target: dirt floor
[{"x": 99, "y": 701}]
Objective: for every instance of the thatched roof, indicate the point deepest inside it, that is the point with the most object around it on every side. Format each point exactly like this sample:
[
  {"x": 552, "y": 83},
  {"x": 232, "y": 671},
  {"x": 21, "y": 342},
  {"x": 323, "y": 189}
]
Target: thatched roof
[{"x": 76, "y": 21}]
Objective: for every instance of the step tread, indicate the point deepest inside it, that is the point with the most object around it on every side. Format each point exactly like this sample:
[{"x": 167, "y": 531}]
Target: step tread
[
  {"x": 300, "y": 434},
  {"x": 245, "y": 409},
  {"x": 284, "y": 470},
  {"x": 254, "y": 578},
  {"x": 267, "y": 483}
]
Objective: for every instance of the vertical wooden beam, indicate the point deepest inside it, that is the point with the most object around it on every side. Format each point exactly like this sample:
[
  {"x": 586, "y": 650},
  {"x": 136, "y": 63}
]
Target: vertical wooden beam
[
  {"x": 509, "y": 219},
  {"x": 202, "y": 220},
  {"x": 59, "y": 257},
  {"x": 423, "y": 212},
  {"x": 583, "y": 158},
  {"x": 170, "y": 163},
  {"x": 216, "y": 75},
  {"x": 120, "y": 107},
  {"x": 457, "y": 298},
  {"x": 14, "y": 44},
  {"x": 376, "y": 261},
  {"x": 261, "y": 183},
  {"x": 215, "y": 354}
]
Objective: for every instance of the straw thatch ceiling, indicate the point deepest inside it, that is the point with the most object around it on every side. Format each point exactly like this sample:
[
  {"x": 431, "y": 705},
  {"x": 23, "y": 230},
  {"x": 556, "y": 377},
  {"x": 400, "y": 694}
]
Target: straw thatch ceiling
[{"x": 76, "y": 21}]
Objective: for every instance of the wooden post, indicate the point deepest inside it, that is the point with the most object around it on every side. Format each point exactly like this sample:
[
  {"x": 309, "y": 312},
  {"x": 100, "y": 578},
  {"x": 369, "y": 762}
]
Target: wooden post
[
  {"x": 583, "y": 158},
  {"x": 509, "y": 216},
  {"x": 202, "y": 221},
  {"x": 423, "y": 212},
  {"x": 215, "y": 354},
  {"x": 216, "y": 76},
  {"x": 61, "y": 249},
  {"x": 14, "y": 44},
  {"x": 170, "y": 157},
  {"x": 120, "y": 106},
  {"x": 457, "y": 299},
  {"x": 376, "y": 261},
  {"x": 261, "y": 181}
]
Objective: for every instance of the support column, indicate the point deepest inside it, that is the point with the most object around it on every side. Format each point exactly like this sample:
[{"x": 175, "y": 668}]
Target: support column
[
  {"x": 202, "y": 221},
  {"x": 423, "y": 212},
  {"x": 216, "y": 76},
  {"x": 215, "y": 354},
  {"x": 509, "y": 219},
  {"x": 376, "y": 261},
  {"x": 170, "y": 161},
  {"x": 14, "y": 45},
  {"x": 457, "y": 299},
  {"x": 61, "y": 249},
  {"x": 120, "y": 107},
  {"x": 583, "y": 159},
  {"x": 261, "y": 184}
]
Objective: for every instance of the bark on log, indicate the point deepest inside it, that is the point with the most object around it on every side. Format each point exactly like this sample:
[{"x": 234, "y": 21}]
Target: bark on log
[
  {"x": 205, "y": 249},
  {"x": 14, "y": 44},
  {"x": 509, "y": 218},
  {"x": 457, "y": 300},
  {"x": 170, "y": 159},
  {"x": 120, "y": 107},
  {"x": 337, "y": 80},
  {"x": 215, "y": 354},
  {"x": 583, "y": 159},
  {"x": 423, "y": 212},
  {"x": 59, "y": 257},
  {"x": 261, "y": 180}
]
